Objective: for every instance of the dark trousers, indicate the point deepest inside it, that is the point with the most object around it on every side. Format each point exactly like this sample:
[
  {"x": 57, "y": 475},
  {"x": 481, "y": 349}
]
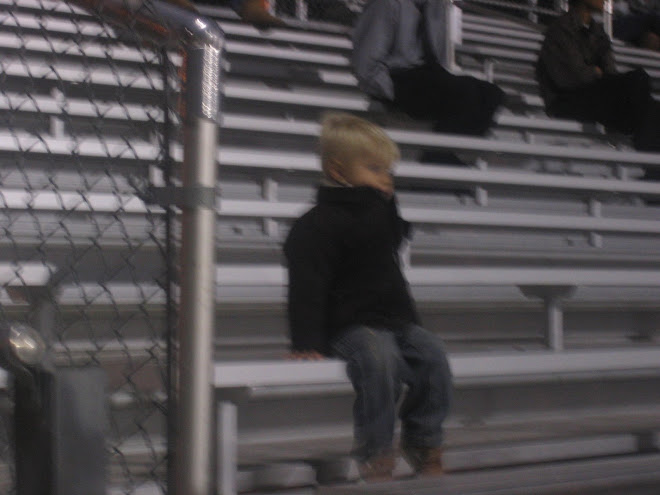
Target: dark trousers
[
  {"x": 621, "y": 102},
  {"x": 457, "y": 104}
]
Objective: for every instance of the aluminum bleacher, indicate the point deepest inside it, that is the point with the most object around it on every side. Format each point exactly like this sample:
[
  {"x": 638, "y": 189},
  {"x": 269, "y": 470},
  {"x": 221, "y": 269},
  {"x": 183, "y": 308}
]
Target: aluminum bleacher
[{"x": 540, "y": 202}]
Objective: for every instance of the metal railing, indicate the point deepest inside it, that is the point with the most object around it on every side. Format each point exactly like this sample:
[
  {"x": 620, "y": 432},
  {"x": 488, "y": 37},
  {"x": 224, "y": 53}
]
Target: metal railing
[{"x": 190, "y": 390}]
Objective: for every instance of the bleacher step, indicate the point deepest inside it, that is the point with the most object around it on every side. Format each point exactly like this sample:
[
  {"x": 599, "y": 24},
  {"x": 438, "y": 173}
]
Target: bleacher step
[{"x": 629, "y": 475}]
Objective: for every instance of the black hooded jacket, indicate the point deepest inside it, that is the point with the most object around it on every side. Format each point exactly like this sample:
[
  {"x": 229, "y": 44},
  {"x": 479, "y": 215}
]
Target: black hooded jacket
[{"x": 344, "y": 267}]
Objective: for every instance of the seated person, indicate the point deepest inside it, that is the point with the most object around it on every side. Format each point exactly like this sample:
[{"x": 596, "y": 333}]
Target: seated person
[
  {"x": 398, "y": 52},
  {"x": 578, "y": 78},
  {"x": 638, "y": 22},
  {"x": 348, "y": 298}
]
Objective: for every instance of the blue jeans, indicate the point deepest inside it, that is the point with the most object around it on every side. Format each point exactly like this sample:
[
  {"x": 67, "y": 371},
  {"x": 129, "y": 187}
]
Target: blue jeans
[{"x": 379, "y": 362}]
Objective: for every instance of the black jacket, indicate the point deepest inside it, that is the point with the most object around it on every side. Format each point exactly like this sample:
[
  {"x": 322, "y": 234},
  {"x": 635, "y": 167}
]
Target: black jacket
[
  {"x": 344, "y": 267},
  {"x": 569, "y": 53}
]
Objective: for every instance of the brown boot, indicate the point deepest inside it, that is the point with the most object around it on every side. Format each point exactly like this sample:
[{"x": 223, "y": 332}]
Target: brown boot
[
  {"x": 426, "y": 461},
  {"x": 256, "y": 12},
  {"x": 377, "y": 468}
]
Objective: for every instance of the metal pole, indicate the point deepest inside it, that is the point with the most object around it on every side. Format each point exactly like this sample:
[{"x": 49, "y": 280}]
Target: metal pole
[
  {"x": 173, "y": 24},
  {"x": 301, "y": 10},
  {"x": 193, "y": 473},
  {"x": 608, "y": 13},
  {"x": 554, "y": 324},
  {"x": 452, "y": 33}
]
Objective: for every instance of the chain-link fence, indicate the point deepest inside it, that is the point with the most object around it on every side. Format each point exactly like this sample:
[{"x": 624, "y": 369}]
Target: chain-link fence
[{"x": 86, "y": 123}]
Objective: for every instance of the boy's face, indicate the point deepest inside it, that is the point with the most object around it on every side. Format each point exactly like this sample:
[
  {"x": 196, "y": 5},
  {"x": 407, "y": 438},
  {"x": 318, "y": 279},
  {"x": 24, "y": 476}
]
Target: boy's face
[{"x": 369, "y": 172}]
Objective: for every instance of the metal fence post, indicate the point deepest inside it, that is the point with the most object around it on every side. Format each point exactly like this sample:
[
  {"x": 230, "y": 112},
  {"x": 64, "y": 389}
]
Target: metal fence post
[
  {"x": 194, "y": 420},
  {"x": 166, "y": 25}
]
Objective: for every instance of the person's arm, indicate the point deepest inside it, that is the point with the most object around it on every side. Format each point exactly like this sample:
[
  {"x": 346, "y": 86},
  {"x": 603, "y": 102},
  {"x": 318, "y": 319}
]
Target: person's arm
[
  {"x": 563, "y": 61},
  {"x": 607, "y": 63},
  {"x": 311, "y": 264},
  {"x": 373, "y": 36}
]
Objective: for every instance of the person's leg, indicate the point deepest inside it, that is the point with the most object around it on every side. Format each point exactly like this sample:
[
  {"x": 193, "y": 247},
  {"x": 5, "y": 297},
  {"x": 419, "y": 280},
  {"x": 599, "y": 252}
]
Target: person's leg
[
  {"x": 428, "y": 398},
  {"x": 456, "y": 104},
  {"x": 618, "y": 101},
  {"x": 647, "y": 135},
  {"x": 413, "y": 90},
  {"x": 374, "y": 366},
  {"x": 640, "y": 110},
  {"x": 464, "y": 104}
]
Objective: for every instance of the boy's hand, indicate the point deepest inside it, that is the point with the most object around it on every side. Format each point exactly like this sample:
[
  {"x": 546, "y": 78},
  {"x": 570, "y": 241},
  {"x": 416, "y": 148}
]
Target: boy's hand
[
  {"x": 305, "y": 356},
  {"x": 599, "y": 72}
]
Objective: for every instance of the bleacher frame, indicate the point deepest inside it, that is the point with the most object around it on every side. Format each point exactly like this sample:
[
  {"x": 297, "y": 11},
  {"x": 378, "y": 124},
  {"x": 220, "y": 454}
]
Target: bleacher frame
[{"x": 323, "y": 54}]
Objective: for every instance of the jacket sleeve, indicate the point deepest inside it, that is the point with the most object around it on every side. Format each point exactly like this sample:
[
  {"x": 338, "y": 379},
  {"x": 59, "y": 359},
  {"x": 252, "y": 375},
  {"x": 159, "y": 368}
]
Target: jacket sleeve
[
  {"x": 607, "y": 62},
  {"x": 373, "y": 36},
  {"x": 435, "y": 24},
  {"x": 312, "y": 261},
  {"x": 563, "y": 61}
]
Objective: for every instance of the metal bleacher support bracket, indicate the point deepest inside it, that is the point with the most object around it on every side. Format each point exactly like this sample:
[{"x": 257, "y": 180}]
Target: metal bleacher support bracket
[
  {"x": 453, "y": 19},
  {"x": 226, "y": 447},
  {"x": 552, "y": 296}
]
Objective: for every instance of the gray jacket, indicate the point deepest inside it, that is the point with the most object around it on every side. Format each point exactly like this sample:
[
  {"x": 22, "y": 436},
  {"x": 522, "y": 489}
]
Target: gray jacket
[{"x": 388, "y": 37}]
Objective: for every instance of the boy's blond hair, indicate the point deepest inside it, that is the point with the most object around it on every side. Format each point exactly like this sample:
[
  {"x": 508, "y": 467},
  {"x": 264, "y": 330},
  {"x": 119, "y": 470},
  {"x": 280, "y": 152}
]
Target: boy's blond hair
[{"x": 345, "y": 137}]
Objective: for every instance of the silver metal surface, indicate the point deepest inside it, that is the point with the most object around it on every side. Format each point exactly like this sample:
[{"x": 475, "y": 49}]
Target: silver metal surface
[
  {"x": 202, "y": 85},
  {"x": 452, "y": 30},
  {"x": 170, "y": 26},
  {"x": 514, "y": 367},
  {"x": 555, "y": 324},
  {"x": 301, "y": 10},
  {"x": 227, "y": 448},
  {"x": 192, "y": 466},
  {"x": 26, "y": 344}
]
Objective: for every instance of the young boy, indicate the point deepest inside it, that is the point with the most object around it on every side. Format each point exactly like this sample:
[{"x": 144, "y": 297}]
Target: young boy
[{"x": 349, "y": 298}]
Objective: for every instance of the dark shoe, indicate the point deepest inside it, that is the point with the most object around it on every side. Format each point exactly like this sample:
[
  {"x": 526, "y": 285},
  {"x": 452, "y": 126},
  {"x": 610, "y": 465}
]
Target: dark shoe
[
  {"x": 256, "y": 12},
  {"x": 377, "y": 468},
  {"x": 426, "y": 461}
]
